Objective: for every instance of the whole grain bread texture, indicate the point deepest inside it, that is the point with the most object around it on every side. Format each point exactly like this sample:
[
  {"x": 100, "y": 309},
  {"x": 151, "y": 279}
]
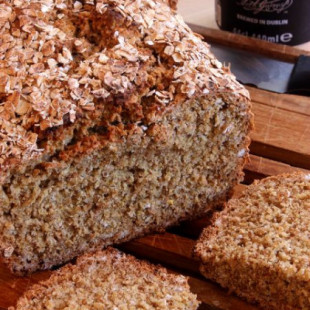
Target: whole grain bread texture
[
  {"x": 110, "y": 280},
  {"x": 259, "y": 246},
  {"x": 115, "y": 121}
]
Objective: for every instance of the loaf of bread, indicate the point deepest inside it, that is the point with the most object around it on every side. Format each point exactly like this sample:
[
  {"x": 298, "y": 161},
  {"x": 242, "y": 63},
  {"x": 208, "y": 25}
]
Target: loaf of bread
[
  {"x": 110, "y": 280},
  {"x": 259, "y": 246},
  {"x": 115, "y": 121}
]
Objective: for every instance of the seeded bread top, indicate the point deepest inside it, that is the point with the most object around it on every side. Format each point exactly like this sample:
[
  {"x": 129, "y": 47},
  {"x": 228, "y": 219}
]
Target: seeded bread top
[
  {"x": 67, "y": 66},
  {"x": 110, "y": 280},
  {"x": 267, "y": 226}
]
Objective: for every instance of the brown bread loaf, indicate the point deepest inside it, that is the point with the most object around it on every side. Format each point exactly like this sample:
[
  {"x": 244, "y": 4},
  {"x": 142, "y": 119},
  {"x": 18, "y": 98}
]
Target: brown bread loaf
[
  {"x": 115, "y": 121},
  {"x": 259, "y": 246}
]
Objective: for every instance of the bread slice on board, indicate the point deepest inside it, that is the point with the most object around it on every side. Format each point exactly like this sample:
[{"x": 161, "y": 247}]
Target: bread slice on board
[
  {"x": 259, "y": 246},
  {"x": 110, "y": 280},
  {"x": 115, "y": 120}
]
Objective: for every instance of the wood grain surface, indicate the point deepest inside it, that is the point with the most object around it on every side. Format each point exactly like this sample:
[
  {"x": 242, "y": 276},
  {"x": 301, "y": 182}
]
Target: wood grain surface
[
  {"x": 276, "y": 51},
  {"x": 281, "y": 135},
  {"x": 281, "y": 143}
]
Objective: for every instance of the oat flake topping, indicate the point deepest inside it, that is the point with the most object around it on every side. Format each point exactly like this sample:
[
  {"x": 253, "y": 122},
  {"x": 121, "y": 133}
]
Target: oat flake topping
[{"x": 62, "y": 61}]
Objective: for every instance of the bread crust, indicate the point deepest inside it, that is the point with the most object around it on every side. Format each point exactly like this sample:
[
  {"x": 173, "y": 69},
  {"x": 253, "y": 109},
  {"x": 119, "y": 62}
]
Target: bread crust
[{"x": 150, "y": 56}]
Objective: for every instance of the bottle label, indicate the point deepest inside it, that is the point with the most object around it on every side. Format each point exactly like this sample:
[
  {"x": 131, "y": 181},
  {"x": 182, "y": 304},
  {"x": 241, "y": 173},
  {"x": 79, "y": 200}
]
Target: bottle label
[{"x": 278, "y": 21}]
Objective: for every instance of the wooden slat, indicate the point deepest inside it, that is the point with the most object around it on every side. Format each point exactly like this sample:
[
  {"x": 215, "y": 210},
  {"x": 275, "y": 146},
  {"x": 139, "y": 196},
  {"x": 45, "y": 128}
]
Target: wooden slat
[
  {"x": 286, "y": 102},
  {"x": 168, "y": 249},
  {"x": 260, "y": 167},
  {"x": 277, "y": 51},
  {"x": 281, "y": 135}
]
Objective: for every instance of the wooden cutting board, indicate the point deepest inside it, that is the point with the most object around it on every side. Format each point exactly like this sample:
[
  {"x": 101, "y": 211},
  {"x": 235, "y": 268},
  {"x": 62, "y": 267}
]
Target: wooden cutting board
[{"x": 280, "y": 143}]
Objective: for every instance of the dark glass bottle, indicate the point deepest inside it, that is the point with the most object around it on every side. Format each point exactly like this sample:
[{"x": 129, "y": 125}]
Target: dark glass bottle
[{"x": 278, "y": 21}]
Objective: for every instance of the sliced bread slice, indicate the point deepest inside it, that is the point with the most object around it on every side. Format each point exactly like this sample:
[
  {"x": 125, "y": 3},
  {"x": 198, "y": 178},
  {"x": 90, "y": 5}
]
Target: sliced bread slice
[
  {"x": 259, "y": 246},
  {"x": 110, "y": 280}
]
